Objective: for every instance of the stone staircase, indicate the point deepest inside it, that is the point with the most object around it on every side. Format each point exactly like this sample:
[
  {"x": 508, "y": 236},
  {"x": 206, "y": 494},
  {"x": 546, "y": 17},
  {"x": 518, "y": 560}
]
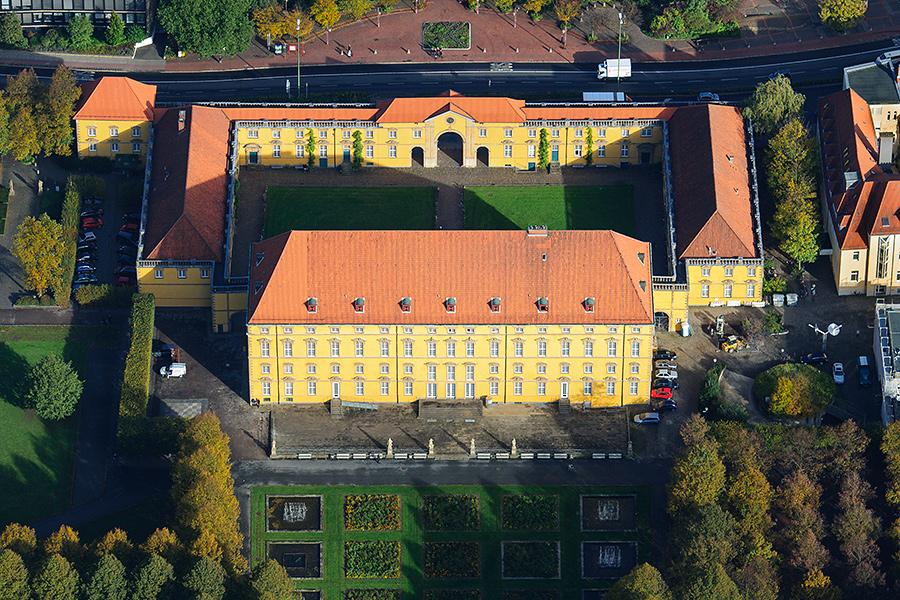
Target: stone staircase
[
  {"x": 554, "y": 167},
  {"x": 565, "y": 408}
]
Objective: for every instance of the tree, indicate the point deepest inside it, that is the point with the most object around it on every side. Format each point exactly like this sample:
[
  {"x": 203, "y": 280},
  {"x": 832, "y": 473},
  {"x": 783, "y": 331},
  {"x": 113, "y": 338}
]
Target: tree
[
  {"x": 791, "y": 157},
  {"x": 206, "y": 545},
  {"x": 589, "y": 146},
  {"x": 772, "y": 103},
  {"x": 325, "y": 12},
  {"x": 711, "y": 584},
  {"x": 698, "y": 478},
  {"x": 206, "y": 580},
  {"x": 750, "y": 497},
  {"x": 310, "y": 147},
  {"x": 566, "y": 10},
  {"x": 166, "y": 544},
  {"x": 701, "y": 538},
  {"x": 890, "y": 447},
  {"x": 842, "y": 15},
  {"x": 21, "y": 103},
  {"x": 783, "y": 398},
  {"x": 355, "y": 8},
  {"x": 38, "y": 247},
  {"x": 55, "y": 579},
  {"x": 306, "y": 24},
  {"x": 544, "y": 149},
  {"x": 66, "y": 543},
  {"x": 11, "y": 31},
  {"x": 644, "y": 582},
  {"x": 270, "y": 581},
  {"x": 504, "y": 6},
  {"x": 115, "y": 31},
  {"x": 757, "y": 579},
  {"x": 207, "y": 27},
  {"x": 107, "y": 582},
  {"x": 270, "y": 22},
  {"x": 799, "y": 499},
  {"x": 796, "y": 225},
  {"x": 54, "y": 388},
  {"x": 534, "y": 7},
  {"x": 13, "y": 576},
  {"x": 81, "y": 32},
  {"x": 858, "y": 529},
  {"x": 357, "y": 149},
  {"x": 816, "y": 586},
  {"x": 59, "y": 108},
  {"x": 152, "y": 576},
  {"x": 18, "y": 538},
  {"x": 116, "y": 542}
]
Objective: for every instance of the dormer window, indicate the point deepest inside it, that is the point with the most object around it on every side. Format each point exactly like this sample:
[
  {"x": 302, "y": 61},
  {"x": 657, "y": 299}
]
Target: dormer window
[
  {"x": 450, "y": 305},
  {"x": 543, "y": 305},
  {"x": 359, "y": 305},
  {"x": 405, "y": 304},
  {"x": 495, "y": 304},
  {"x": 589, "y": 304},
  {"x": 257, "y": 286},
  {"x": 312, "y": 305},
  {"x": 259, "y": 257}
]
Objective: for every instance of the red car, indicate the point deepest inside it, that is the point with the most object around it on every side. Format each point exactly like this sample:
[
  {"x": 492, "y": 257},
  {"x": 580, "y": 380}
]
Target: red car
[
  {"x": 129, "y": 227},
  {"x": 664, "y": 393},
  {"x": 91, "y": 223},
  {"x": 126, "y": 280}
]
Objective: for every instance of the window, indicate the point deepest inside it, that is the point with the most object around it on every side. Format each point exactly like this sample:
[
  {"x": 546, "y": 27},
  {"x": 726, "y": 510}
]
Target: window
[
  {"x": 566, "y": 329},
  {"x": 751, "y": 288},
  {"x": 542, "y": 348},
  {"x": 407, "y": 330},
  {"x": 392, "y": 134},
  {"x": 407, "y": 349},
  {"x": 632, "y": 388},
  {"x": 311, "y": 368},
  {"x": 751, "y": 271},
  {"x": 336, "y": 369},
  {"x": 407, "y": 388},
  {"x": 577, "y": 150},
  {"x": 532, "y": 151},
  {"x": 507, "y": 133},
  {"x": 385, "y": 388},
  {"x": 417, "y": 134},
  {"x": 495, "y": 349},
  {"x": 517, "y": 368},
  {"x": 360, "y": 388},
  {"x": 288, "y": 388},
  {"x": 495, "y": 388},
  {"x": 507, "y": 151},
  {"x": 704, "y": 272},
  {"x": 588, "y": 388},
  {"x": 204, "y": 273},
  {"x": 542, "y": 388},
  {"x": 451, "y": 349},
  {"x": 704, "y": 290},
  {"x": 323, "y": 133},
  {"x": 114, "y": 147},
  {"x": 432, "y": 373},
  {"x": 392, "y": 151},
  {"x": 728, "y": 290},
  {"x": 370, "y": 134},
  {"x": 385, "y": 349},
  {"x": 346, "y": 134},
  {"x": 276, "y": 133},
  {"x": 601, "y": 151},
  {"x": 564, "y": 369},
  {"x": 431, "y": 390},
  {"x": 601, "y": 133},
  {"x": 370, "y": 151},
  {"x": 264, "y": 349},
  {"x": 135, "y": 132},
  {"x": 589, "y": 349},
  {"x": 610, "y": 388},
  {"x": 323, "y": 151},
  {"x": 588, "y": 368},
  {"x": 335, "y": 349},
  {"x": 542, "y": 369},
  {"x": 276, "y": 151},
  {"x": 532, "y": 133},
  {"x": 854, "y": 275},
  {"x": 856, "y": 255},
  {"x": 311, "y": 349},
  {"x": 288, "y": 349},
  {"x": 610, "y": 368},
  {"x": 252, "y": 134},
  {"x": 266, "y": 388},
  {"x": 470, "y": 390},
  {"x": 385, "y": 369},
  {"x": 451, "y": 390},
  {"x": 611, "y": 348},
  {"x": 517, "y": 388},
  {"x": 335, "y": 330},
  {"x": 626, "y": 132},
  {"x": 564, "y": 349},
  {"x": 729, "y": 271},
  {"x": 311, "y": 388},
  {"x": 92, "y": 131},
  {"x": 407, "y": 369},
  {"x": 432, "y": 349},
  {"x": 136, "y": 147},
  {"x": 92, "y": 146},
  {"x": 359, "y": 348},
  {"x": 647, "y": 132},
  {"x": 265, "y": 369},
  {"x": 635, "y": 368},
  {"x": 482, "y": 133},
  {"x": 624, "y": 153},
  {"x": 635, "y": 348},
  {"x": 298, "y": 149},
  {"x": 554, "y": 133},
  {"x": 578, "y": 133},
  {"x": 612, "y": 329},
  {"x": 182, "y": 273},
  {"x": 518, "y": 348},
  {"x": 113, "y": 132},
  {"x": 158, "y": 273},
  {"x": 451, "y": 373},
  {"x": 470, "y": 372},
  {"x": 470, "y": 349}
]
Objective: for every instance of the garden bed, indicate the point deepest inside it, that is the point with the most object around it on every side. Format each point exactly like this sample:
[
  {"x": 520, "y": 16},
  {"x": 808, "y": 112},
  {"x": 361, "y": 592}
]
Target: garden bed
[
  {"x": 372, "y": 595},
  {"x": 452, "y": 595},
  {"x": 452, "y": 560},
  {"x": 447, "y": 35},
  {"x": 308, "y": 595},
  {"x": 372, "y": 560},
  {"x": 530, "y": 560},
  {"x": 372, "y": 512},
  {"x": 608, "y": 513},
  {"x": 458, "y": 512},
  {"x": 294, "y": 513},
  {"x": 301, "y": 560},
  {"x": 607, "y": 560},
  {"x": 530, "y": 513},
  {"x": 531, "y": 595}
]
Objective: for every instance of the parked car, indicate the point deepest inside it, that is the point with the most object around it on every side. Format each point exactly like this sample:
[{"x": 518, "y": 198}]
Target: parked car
[
  {"x": 128, "y": 237},
  {"x": 91, "y": 222},
  {"x": 814, "y": 358},
  {"x": 865, "y": 372},
  {"x": 129, "y": 228},
  {"x": 708, "y": 97},
  {"x": 86, "y": 247},
  {"x": 126, "y": 261},
  {"x": 663, "y": 405},
  {"x": 128, "y": 254},
  {"x": 87, "y": 236},
  {"x": 92, "y": 212},
  {"x": 85, "y": 268},
  {"x": 667, "y": 374},
  {"x": 174, "y": 370},
  {"x": 126, "y": 280},
  {"x": 663, "y": 393},
  {"x": 647, "y": 417},
  {"x": 93, "y": 201},
  {"x": 837, "y": 370},
  {"x": 85, "y": 278},
  {"x": 665, "y": 364},
  {"x": 131, "y": 218},
  {"x": 82, "y": 256},
  {"x": 661, "y": 354},
  {"x": 125, "y": 270},
  {"x": 664, "y": 382}
]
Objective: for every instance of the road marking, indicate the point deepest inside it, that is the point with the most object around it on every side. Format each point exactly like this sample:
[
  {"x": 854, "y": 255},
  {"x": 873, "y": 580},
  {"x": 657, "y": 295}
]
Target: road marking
[
  {"x": 662, "y": 82},
  {"x": 730, "y": 79}
]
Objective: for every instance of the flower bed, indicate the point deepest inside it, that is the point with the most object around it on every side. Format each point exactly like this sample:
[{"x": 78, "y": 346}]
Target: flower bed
[
  {"x": 450, "y": 513},
  {"x": 452, "y": 559},
  {"x": 372, "y": 595},
  {"x": 531, "y": 560},
  {"x": 452, "y": 594},
  {"x": 372, "y": 559},
  {"x": 531, "y": 595},
  {"x": 452, "y": 35},
  {"x": 372, "y": 512},
  {"x": 531, "y": 513}
]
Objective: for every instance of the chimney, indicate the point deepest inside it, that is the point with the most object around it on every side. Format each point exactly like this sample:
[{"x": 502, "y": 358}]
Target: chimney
[
  {"x": 181, "y": 115},
  {"x": 537, "y": 231}
]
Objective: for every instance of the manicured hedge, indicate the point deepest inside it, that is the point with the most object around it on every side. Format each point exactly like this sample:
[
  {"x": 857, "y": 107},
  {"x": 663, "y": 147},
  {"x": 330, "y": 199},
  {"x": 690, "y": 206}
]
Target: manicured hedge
[
  {"x": 530, "y": 513},
  {"x": 104, "y": 295},
  {"x": 372, "y": 595},
  {"x": 458, "y": 512},
  {"x": 531, "y": 560},
  {"x": 452, "y": 594},
  {"x": 452, "y": 559},
  {"x": 372, "y": 559},
  {"x": 136, "y": 380}
]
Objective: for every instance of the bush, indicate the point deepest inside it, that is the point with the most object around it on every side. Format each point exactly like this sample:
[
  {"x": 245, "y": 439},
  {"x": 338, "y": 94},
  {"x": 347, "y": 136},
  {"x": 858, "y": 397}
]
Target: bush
[
  {"x": 104, "y": 296},
  {"x": 54, "y": 388},
  {"x": 91, "y": 164},
  {"x": 538, "y": 560},
  {"x": 533, "y": 513},
  {"x": 136, "y": 380},
  {"x": 45, "y": 300},
  {"x": 372, "y": 595},
  {"x": 135, "y": 34},
  {"x": 450, "y": 513},
  {"x": 709, "y": 389},
  {"x": 367, "y": 559},
  {"x": 452, "y": 559},
  {"x": 774, "y": 285},
  {"x": 797, "y": 391}
]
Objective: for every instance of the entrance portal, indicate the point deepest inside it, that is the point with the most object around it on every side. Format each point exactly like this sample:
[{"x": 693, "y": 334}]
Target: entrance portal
[
  {"x": 661, "y": 320},
  {"x": 450, "y": 150},
  {"x": 483, "y": 155},
  {"x": 417, "y": 157}
]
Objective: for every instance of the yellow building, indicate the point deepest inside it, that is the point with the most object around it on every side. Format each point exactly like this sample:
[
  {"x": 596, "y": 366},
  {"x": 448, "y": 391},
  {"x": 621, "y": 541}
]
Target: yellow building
[
  {"x": 113, "y": 120},
  {"x": 399, "y": 316}
]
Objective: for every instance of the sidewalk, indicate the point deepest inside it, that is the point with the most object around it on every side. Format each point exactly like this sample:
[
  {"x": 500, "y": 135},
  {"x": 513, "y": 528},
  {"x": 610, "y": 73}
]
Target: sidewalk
[{"x": 767, "y": 27}]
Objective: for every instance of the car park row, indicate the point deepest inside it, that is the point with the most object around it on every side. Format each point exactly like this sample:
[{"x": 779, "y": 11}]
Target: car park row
[
  {"x": 87, "y": 246},
  {"x": 664, "y": 385}
]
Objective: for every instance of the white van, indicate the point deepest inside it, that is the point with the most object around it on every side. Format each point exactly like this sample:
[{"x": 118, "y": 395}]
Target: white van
[
  {"x": 174, "y": 370},
  {"x": 865, "y": 372}
]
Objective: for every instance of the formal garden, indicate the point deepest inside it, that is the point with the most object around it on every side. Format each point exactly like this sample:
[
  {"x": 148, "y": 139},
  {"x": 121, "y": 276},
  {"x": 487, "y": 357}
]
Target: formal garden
[{"x": 459, "y": 542}]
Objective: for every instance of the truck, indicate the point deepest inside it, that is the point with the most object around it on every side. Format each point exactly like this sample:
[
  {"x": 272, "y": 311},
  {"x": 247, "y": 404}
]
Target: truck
[
  {"x": 614, "y": 68},
  {"x": 605, "y": 97},
  {"x": 174, "y": 370}
]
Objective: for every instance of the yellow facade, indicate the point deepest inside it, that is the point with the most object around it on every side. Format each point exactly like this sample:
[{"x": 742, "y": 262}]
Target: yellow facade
[
  {"x": 109, "y": 139},
  {"x": 670, "y": 305},
  {"x": 725, "y": 281},
  {"x": 284, "y": 143},
  {"x": 607, "y": 365},
  {"x": 177, "y": 283},
  {"x": 226, "y": 304}
]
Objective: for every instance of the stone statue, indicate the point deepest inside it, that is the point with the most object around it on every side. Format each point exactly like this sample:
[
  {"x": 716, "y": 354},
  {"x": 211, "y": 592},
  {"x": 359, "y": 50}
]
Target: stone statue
[
  {"x": 390, "y": 448},
  {"x": 431, "y": 447},
  {"x": 513, "y": 451},
  {"x": 472, "y": 447}
]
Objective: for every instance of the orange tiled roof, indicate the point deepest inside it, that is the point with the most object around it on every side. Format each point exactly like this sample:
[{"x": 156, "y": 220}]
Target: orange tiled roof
[
  {"x": 336, "y": 267},
  {"x": 710, "y": 183},
  {"x": 116, "y": 99},
  {"x": 597, "y": 113},
  {"x": 188, "y": 186},
  {"x": 481, "y": 110}
]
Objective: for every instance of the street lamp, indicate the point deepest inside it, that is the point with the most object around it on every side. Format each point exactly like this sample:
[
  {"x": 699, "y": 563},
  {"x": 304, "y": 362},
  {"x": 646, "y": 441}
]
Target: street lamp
[
  {"x": 298, "y": 59},
  {"x": 619, "y": 64}
]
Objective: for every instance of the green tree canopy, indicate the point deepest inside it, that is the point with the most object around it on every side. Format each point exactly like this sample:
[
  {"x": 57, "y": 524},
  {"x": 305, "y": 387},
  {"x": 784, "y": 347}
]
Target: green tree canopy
[
  {"x": 151, "y": 578},
  {"x": 13, "y": 576},
  {"x": 54, "y": 388},
  {"x": 107, "y": 582},
  {"x": 841, "y": 15},
  {"x": 38, "y": 247},
  {"x": 270, "y": 581},
  {"x": 115, "y": 31},
  {"x": 81, "y": 32},
  {"x": 55, "y": 579},
  {"x": 772, "y": 103},
  {"x": 65, "y": 542},
  {"x": 18, "y": 538},
  {"x": 711, "y": 584},
  {"x": 698, "y": 478},
  {"x": 206, "y": 580},
  {"x": 701, "y": 538},
  {"x": 11, "y": 31},
  {"x": 544, "y": 149},
  {"x": 644, "y": 582},
  {"x": 22, "y": 103},
  {"x": 59, "y": 108},
  {"x": 207, "y": 27}
]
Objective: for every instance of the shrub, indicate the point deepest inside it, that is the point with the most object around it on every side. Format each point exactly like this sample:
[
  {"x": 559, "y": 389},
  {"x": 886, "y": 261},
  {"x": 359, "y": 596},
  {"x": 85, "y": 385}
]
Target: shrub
[
  {"x": 368, "y": 559},
  {"x": 452, "y": 594},
  {"x": 797, "y": 391},
  {"x": 372, "y": 595},
  {"x": 450, "y": 513},
  {"x": 535, "y": 513},
  {"x": 709, "y": 389},
  {"x": 135, "y": 34},
  {"x": 533, "y": 560},
  {"x": 76, "y": 188},
  {"x": 452, "y": 559},
  {"x": 372, "y": 512},
  {"x": 104, "y": 295},
  {"x": 136, "y": 380}
]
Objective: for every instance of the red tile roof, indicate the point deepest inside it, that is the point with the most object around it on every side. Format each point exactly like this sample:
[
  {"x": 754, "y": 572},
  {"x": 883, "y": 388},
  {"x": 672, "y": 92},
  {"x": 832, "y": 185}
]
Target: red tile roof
[
  {"x": 710, "y": 183},
  {"x": 597, "y": 113},
  {"x": 188, "y": 186},
  {"x": 481, "y": 110},
  {"x": 116, "y": 99},
  {"x": 336, "y": 267}
]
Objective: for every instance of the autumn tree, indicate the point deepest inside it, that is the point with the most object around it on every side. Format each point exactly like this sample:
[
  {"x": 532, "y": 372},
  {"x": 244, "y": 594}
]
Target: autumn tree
[
  {"x": 772, "y": 103},
  {"x": 66, "y": 543},
  {"x": 13, "y": 576},
  {"x": 152, "y": 577},
  {"x": 305, "y": 24},
  {"x": 644, "y": 582},
  {"x": 890, "y": 447},
  {"x": 107, "y": 581},
  {"x": 698, "y": 474},
  {"x": 816, "y": 586},
  {"x": 750, "y": 498},
  {"x": 857, "y": 529},
  {"x": 18, "y": 538},
  {"x": 566, "y": 10},
  {"x": 783, "y": 398},
  {"x": 791, "y": 160},
  {"x": 115, "y": 31},
  {"x": 59, "y": 109},
  {"x": 270, "y": 21},
  {"x": 325, "y": 12},
  {"x": 22, "y": 103},
  {"x": 711, "y": 584},
  {"x": 55, "y": 579},
  {"x": 205, "y": 581},
  {"x": 796, "y": 225},
  {"x": 115, "y": 542},
  {"x": 799, "y": 500},
  {"x": 270, "y": 581},
  {"x": 38, "y": 247},
  {"x": 165, "y": 543},
  {"x": 207, "y": 27},
  {"x": 355, "y": 8},
  {"x": 53, "y": 388},
  {"x": 842, "y": 15},
  {"x": 504, "y": 6},
  {"x": 534, "y": 7}
]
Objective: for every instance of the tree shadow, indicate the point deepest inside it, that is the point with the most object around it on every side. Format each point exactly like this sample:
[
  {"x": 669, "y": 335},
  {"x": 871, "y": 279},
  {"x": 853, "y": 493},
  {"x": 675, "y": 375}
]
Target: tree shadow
[{"x": 14, "y": 371}]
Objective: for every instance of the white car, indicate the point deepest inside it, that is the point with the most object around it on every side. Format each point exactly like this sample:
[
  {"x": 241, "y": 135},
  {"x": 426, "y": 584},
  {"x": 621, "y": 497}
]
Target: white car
[
  {"x": 87, "y": 236},
  {"x": 838, "y": 371},
  {"x": 665, "y": 364},
  {"x": 708, "y": 97},
  {"x": 648, "y": 417},
  {"x": 666, "y": 374}
]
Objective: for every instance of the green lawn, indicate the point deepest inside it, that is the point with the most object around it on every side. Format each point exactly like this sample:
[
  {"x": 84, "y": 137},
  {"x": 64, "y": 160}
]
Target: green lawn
[
  {"x": 36, "y": 456},
  {"x": 51, "y": 203},
  {"x": 138, "y": 521},
  {"x": 349, "y": 208},
  {"x": 558, "y": 207},
  {"x": 413, "y": 537}
]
